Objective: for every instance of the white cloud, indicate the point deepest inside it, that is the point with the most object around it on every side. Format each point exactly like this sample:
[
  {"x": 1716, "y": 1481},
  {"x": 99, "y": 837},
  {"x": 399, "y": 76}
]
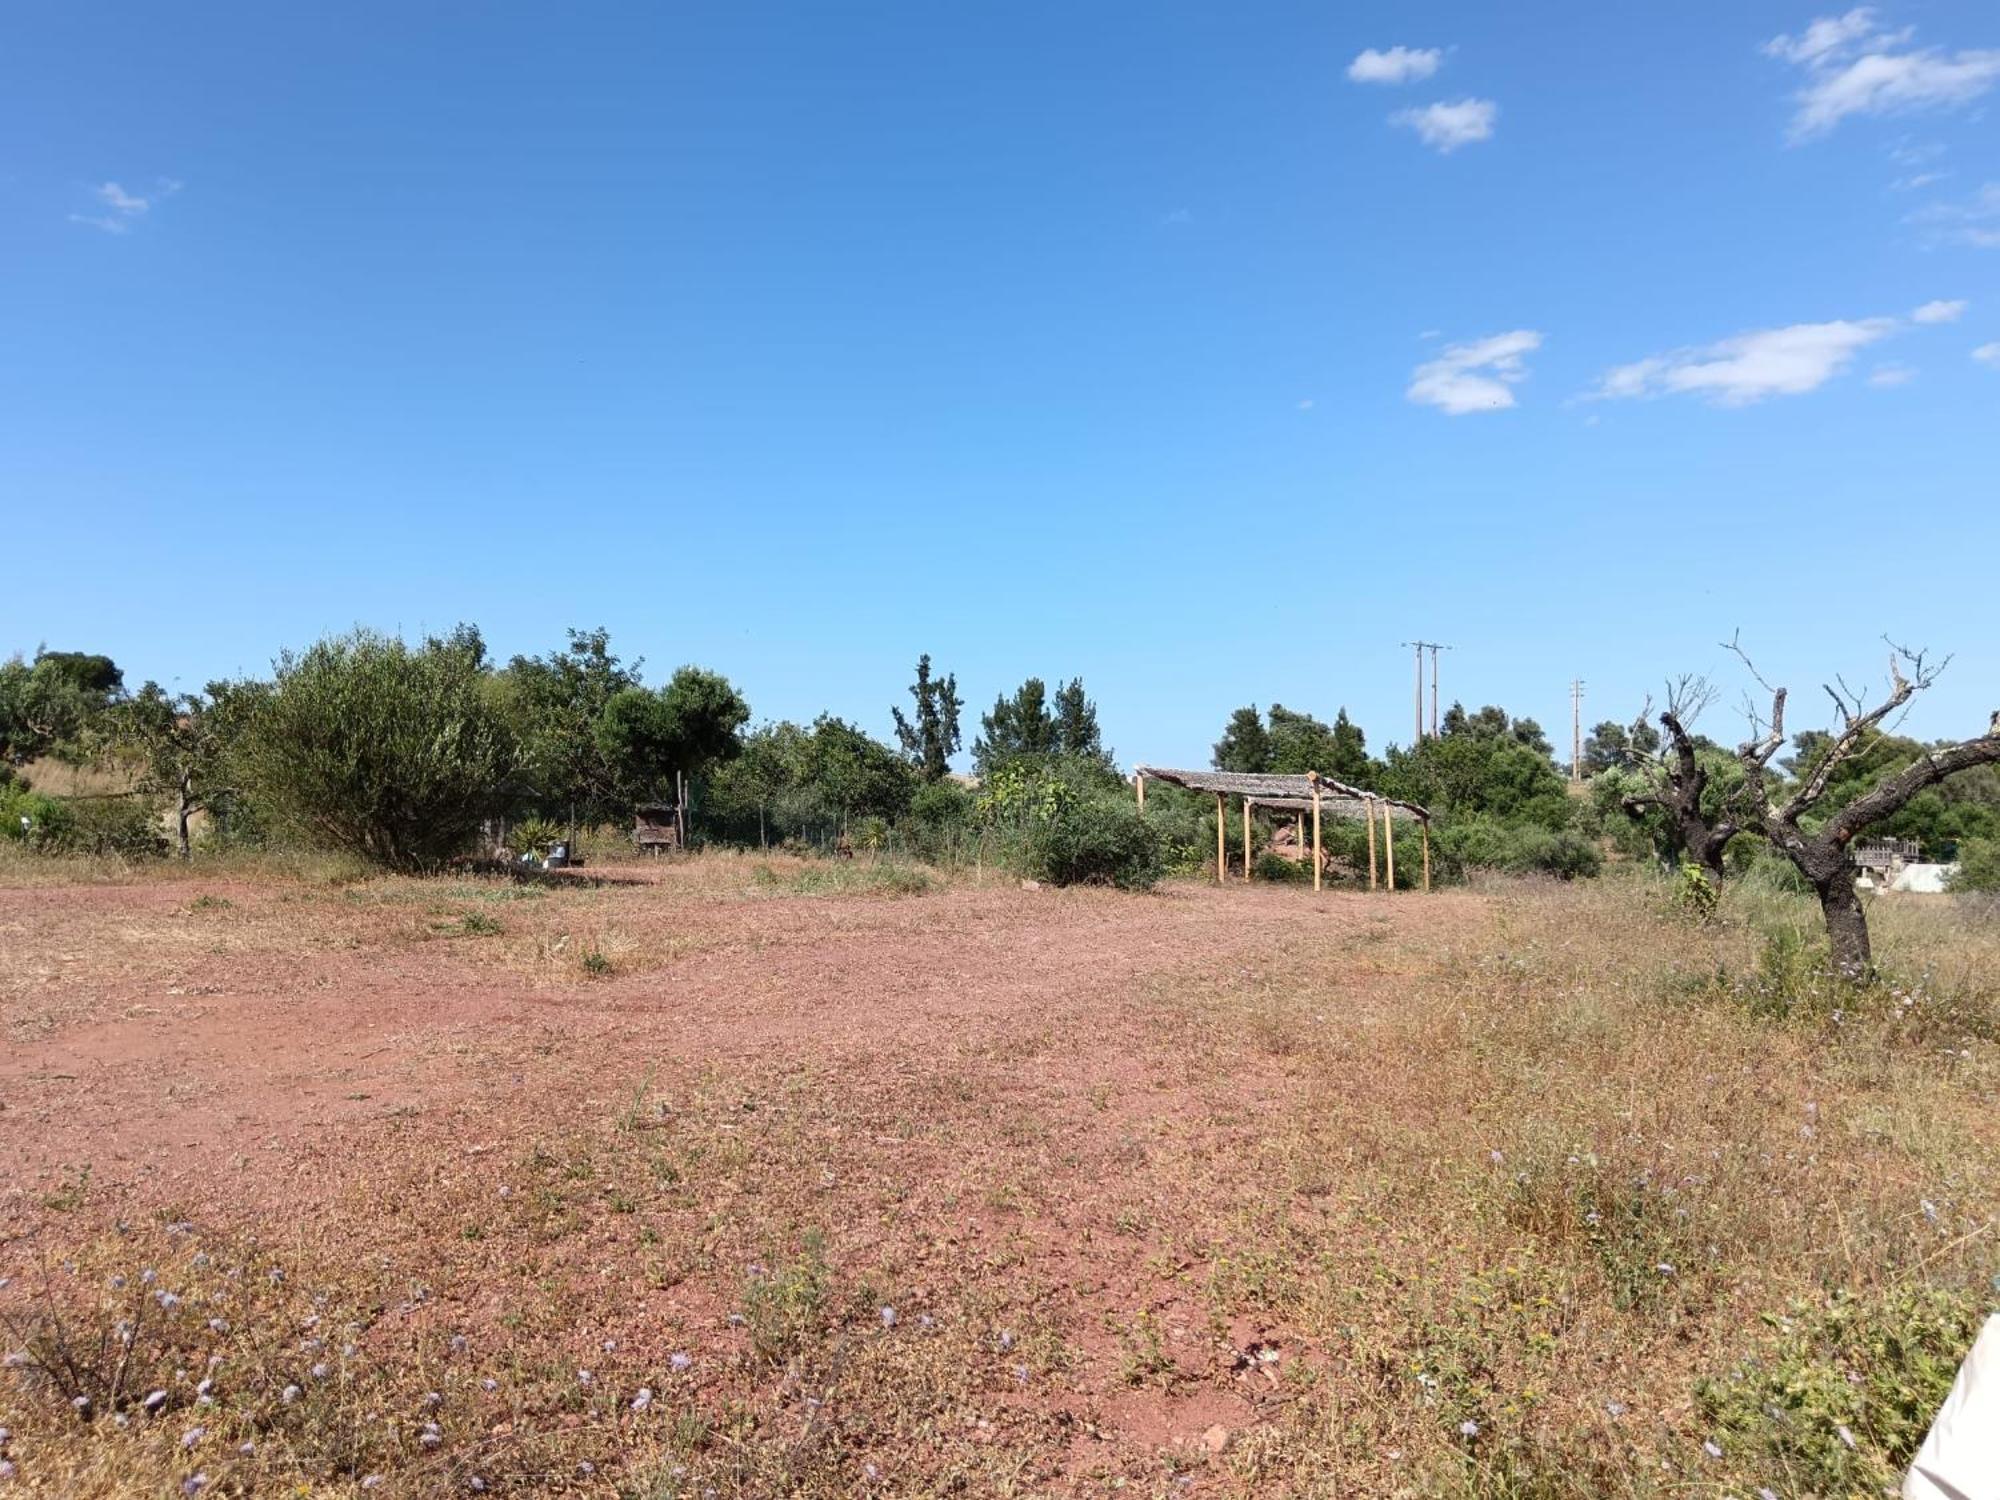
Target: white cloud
[
  {"x": 1306, "y": 405},
  {"x": 1988, "y": 354},
  {"x": 1909, "y": 153},
  {"x": 1397, "y": 65},
  {"x": 1449, "y": 126},
  {"x": 122, "y": 201},
  {"x": 1827, "y": 38},
  {"x": 1855, "y": 67},
  {"x": 1916, "y": 180},
  {"x": 1940, "y": 312},
  {"x": 124, "y": 208},
  {"x": 1885, "y": 377},
  {"x": 1974, "y": 221},
  {"x": 1751, "y": 366},
  {"x": 1475, "y": 377},
  {"x": 1178, "y": 217}
]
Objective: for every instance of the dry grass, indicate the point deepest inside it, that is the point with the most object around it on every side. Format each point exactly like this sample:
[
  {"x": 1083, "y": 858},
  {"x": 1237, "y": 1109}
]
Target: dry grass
[{"x": 1200, "y": 1193}]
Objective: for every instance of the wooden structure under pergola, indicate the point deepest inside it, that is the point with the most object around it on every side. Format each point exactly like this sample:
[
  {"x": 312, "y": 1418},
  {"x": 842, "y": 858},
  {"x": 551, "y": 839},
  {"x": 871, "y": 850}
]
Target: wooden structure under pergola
[{"x": 1321, "y": 796}]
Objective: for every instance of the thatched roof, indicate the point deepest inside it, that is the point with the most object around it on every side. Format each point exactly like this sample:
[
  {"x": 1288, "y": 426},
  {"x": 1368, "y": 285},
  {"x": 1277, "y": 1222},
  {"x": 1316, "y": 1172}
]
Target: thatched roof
[{"x": 1288, "y": 793}]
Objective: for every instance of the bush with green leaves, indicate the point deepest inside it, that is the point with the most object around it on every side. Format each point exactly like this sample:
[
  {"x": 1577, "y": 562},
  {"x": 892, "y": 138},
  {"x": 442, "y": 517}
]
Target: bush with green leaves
[
  {"x": 1485, "y": 843},
  {"x": 1841, "y": 1402},
  {"x": 385, "y": 750},
  {"x": 1094, "y": 840},
  {"x": 123, "y": 827},
  {"x": 535, "y": 836},
  {"x": 1978, "y": 866},
  {"x": 1695, "y": 894},
  {"x": 939, "y": 820},
  {"x": 29, "y": 818},
  {"x": 1276, "y": 868}
]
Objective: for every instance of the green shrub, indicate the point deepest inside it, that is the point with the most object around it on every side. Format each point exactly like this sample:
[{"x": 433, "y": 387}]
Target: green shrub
[
  {"x": 1094, "y": 841},
  {"x": 1842, "y": 1401},
  {"x": 128, "y": 827},
  {"x": 940, "y": 816},
  {"x": 385, "y": 750},
  {"x": 1978, "y": 866},
  {"x": 29, "y": 818},
  {"x": 535, "y": 836},
  {"x": 1695, "y": 894},
  {"x": 123, "y": 826},
  {"x": 1484, "y": 843},
  {"x": 1275, "y": 867}
]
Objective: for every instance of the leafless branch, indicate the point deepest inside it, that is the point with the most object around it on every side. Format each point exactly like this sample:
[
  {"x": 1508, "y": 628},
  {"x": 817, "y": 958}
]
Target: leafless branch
[
  {"x": 1688, "y": 696},
  {"x": 1735, "y": 644}
]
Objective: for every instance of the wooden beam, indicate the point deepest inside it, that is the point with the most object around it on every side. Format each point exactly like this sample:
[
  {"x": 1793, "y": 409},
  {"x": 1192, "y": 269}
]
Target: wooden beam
[
  {"x": 1368, "y": 805},
  {"x": 1246, "y": 838},
  {"x": 1427, "y": 856},
  {"x": 1221, "y": 840},
  {"x": 1140, "y": 783},
  {"x": 1389, "y": 838},
  {"x": 1315, "y": 836}
]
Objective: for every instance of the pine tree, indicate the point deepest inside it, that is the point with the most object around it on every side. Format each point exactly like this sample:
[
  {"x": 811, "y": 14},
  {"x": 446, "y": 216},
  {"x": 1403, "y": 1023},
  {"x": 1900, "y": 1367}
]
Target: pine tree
[{"x": 933, "y": 739}]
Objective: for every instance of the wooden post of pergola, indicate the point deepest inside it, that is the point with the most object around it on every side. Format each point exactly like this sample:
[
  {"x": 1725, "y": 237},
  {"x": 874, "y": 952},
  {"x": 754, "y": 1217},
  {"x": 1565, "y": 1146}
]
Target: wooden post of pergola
[
  {"x": 1221, "y": 840},
  {"x": 1246, "y": 838},
  {"x": 1370, "y": 805},
  {"x": 1389, "y": 840},
  {"x": 1427, "y": 855},
  {"x": 1140, "y": 782},
  {"x": 1315, "y": 833}
]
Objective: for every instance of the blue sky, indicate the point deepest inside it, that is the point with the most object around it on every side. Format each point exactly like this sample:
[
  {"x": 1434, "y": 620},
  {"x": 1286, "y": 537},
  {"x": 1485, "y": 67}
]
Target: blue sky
[{"x": 1207, "y": 352}]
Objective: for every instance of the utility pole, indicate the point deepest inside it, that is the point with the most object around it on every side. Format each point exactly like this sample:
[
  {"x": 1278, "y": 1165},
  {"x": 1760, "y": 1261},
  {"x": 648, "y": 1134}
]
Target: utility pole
[
  {"x": 1435, "y": 648},
  {"x": 1420, "y": 647},
  {"x": 1576, "y": 729}
]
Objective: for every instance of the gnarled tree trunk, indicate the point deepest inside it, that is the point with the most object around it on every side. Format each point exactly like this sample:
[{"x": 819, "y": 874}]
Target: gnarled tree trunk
[
  {"x": 1681, "y": 783},
  {"x": 1846, "y": 926},
  {"x": 187, "y": 806}
]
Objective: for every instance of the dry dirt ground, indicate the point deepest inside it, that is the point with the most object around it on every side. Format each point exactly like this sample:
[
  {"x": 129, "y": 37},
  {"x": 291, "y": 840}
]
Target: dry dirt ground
[
  {"x": 967, "y": 1091},
  {"x": 742, "y": 1177}
]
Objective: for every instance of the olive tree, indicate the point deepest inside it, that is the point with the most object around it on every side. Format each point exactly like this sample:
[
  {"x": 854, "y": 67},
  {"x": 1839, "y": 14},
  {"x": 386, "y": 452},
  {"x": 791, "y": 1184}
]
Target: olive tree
[
  {"x": 183, "y": 744},
  {"x": 389, "y": 751},
  {"x": 1789, "y": 814},
  {"x": 1683, "y": 783}
]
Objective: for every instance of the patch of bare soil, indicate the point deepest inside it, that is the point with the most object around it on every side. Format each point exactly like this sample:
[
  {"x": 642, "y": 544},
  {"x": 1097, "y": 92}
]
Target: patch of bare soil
[{"x": 974, "y": 1093}]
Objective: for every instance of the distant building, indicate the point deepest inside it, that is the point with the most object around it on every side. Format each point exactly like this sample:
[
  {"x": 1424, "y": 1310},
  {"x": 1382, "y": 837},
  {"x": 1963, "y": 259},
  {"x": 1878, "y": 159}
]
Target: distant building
[{"x": 1897, "y": 865}]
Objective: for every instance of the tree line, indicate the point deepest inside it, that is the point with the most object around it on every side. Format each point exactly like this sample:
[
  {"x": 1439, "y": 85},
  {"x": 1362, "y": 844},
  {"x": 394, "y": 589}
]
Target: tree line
[{"x": 403, "y": 752}]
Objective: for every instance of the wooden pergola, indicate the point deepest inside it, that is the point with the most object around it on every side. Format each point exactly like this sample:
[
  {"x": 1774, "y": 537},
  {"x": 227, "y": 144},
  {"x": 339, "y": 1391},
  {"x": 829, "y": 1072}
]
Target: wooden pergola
[{"x": 1321, "y": 796}]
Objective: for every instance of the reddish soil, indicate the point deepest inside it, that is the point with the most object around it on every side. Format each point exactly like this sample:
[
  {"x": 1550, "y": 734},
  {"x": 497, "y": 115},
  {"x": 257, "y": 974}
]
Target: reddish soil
[{"x": 253, "y": 1063}]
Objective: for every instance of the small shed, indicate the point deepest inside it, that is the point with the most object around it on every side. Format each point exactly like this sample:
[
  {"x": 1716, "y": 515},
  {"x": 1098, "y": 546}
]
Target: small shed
[{"x": 656, "y": 827}]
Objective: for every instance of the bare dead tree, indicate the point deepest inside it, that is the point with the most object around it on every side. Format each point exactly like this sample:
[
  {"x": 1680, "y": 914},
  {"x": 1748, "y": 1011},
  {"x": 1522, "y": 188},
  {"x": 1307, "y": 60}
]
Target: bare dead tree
[
  {"x": 1679, "y": 781},
  {"x": 1821, "y": 855}
]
